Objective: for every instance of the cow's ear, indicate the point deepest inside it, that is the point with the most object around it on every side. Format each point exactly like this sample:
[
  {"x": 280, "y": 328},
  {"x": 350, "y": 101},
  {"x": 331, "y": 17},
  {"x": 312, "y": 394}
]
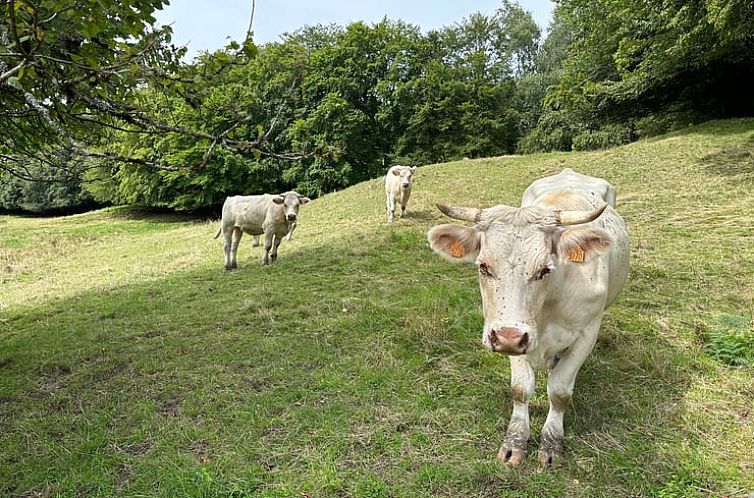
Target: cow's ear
[
  {"x": 581, "y": 244},
  {"x": 278, "y": 199},
  {"x": 456, "y": 243},
  {"x": 303, "y": 200},
  {"x": 413, "y": 168},
  {"x": 397, "y": 172}
]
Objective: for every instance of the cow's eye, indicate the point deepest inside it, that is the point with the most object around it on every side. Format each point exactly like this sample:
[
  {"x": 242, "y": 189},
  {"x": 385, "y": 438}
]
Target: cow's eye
[
  {"x": 484, "y": 270},
  {"x": 542, "y": 272}
]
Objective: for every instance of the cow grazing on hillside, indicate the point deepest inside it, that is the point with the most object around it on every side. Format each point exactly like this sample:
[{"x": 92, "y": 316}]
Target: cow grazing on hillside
[
  {"x": 271, "y": 215},
  {"x": 547, "y": 271},
  {"x": 398, "y": 184}
]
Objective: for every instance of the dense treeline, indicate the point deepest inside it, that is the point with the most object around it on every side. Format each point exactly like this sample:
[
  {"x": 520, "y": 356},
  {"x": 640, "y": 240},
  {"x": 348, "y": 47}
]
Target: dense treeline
[
  {"x": 345, "y": 102},
  {"x": 329, "y": 106},
  {"x": 630, "y": 69}
]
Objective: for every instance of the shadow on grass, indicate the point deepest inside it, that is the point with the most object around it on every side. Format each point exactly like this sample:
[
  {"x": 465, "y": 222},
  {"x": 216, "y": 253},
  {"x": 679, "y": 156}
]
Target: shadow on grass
[
  {"x": 335, "y": 367},
  {"x": 734, "y": 161},
  {"x": 165, "y": 215},
  {"x": 419, "y": 215}
]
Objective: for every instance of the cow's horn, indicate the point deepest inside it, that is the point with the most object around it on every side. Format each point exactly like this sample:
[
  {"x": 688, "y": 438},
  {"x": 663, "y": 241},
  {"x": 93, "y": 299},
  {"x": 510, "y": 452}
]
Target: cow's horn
[
  {"x": 460, "y": 212},
  {"x": 579, "y": 217}
]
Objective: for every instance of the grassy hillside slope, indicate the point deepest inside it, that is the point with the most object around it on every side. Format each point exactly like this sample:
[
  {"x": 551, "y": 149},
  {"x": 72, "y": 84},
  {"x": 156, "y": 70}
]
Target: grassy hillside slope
[{"x": 132, "y": 364}]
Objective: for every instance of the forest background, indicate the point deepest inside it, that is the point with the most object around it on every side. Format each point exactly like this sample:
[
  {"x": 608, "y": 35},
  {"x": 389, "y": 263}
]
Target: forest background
[{"x": 98, "y": 107}]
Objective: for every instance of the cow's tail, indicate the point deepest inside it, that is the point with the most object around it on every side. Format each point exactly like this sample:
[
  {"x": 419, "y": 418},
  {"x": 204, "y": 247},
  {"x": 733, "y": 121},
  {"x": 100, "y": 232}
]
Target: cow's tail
[{"x": 219, "y": 231}]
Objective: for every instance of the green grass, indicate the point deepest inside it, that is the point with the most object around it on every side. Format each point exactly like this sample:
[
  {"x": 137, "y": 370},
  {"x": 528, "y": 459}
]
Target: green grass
[{"x": 132, "y": 364}]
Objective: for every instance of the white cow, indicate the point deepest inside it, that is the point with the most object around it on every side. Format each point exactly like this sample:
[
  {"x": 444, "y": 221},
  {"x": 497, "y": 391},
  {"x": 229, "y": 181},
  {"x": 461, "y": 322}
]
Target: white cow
[
  {"x": 398, "y": 183},
  {"x": 271, "y": 215},
  {"x": 547, "y": 271}
]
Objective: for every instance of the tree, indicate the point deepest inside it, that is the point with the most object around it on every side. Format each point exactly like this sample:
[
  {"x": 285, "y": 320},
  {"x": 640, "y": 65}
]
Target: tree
[
  {"x": 72, "y": 72},
  {"x": 67, "y": 68},
  {"x": 633, "y": 61}
]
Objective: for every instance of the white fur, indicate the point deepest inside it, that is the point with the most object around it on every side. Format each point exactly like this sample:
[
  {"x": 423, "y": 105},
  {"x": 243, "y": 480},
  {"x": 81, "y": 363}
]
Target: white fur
[
  {"x": 568, "y": 180},
  {"x": 398, "y": 185},
  {"x": 562, "y": 312},
  {"x": 256, "y": 215}
]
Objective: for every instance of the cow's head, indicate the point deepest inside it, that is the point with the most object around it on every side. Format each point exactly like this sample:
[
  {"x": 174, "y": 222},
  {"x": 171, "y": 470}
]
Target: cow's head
[
  {"x": 290, "y": 202},
  {"x": 406, "y": 174},
  {"x": 520, "y": 254}
]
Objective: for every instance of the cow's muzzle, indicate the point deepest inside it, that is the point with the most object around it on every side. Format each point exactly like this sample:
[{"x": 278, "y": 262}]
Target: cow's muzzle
[
  {"x": 291, "y": 217},
  {"x": 406, "y": 185},
  {"x": 509, "y": 340}
]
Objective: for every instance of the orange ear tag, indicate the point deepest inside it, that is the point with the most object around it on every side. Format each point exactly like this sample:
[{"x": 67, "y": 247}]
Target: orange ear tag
[
  {"x": 457, "y": 250},
  {"x": 576, "y": 255}
]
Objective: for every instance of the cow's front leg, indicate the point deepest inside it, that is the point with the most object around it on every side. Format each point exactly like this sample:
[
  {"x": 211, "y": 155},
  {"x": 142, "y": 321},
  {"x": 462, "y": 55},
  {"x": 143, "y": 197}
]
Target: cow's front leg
[
  {"x": 230, "y": 243},
  {"x": 513, "y": 449},
  {"x": 390, "y": 208},
  {"x": 275, "y": 244},
  {"x": 404, "y": 202},
  {"x": 560, "y": 384},
  {"x": 227, "y": 244},
  {"x": 290, "y": 231},
  {"x": 268, "y": 239}
]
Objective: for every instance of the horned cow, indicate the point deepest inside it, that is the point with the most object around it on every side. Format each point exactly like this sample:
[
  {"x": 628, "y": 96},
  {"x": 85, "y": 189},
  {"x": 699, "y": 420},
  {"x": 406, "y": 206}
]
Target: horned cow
[{"x": 547, "y": 271}]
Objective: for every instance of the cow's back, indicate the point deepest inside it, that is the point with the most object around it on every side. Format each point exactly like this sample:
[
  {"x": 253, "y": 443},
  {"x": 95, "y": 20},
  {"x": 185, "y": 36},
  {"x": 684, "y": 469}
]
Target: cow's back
[
  {"x": 569, "y": 181},
  {"x": 246, "y": 212},
  {"x": 583, "y": 198}
]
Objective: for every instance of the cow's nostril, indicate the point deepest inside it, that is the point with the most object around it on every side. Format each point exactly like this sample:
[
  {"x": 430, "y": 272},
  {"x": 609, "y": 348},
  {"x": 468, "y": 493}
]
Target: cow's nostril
[{"x": 524, "y": 340}]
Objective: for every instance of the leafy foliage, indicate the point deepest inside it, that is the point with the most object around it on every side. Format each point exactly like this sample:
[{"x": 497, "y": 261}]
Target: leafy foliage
[
  {"x": 732, "y": 341},
  {"x": 346, "y": 101},
  {"x": 329, "y": 106},
  {"x": 607, "y": 136},
  {"x": 655, "y": 66}
]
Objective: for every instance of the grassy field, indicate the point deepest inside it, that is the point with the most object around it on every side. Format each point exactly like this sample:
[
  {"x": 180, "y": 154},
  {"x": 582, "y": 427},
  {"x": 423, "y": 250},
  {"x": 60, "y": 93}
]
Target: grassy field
[{"x": 132, "y": 364}]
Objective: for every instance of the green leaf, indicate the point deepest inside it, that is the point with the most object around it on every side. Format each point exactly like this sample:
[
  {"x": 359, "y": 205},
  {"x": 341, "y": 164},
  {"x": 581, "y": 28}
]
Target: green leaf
[{"x": 15, "y": 82}]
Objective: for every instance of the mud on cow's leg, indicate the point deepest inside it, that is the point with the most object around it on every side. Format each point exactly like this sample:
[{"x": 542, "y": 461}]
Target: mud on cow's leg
[
  {"x": 513, "y": 449},
  {"x": 560, "y": 384}
]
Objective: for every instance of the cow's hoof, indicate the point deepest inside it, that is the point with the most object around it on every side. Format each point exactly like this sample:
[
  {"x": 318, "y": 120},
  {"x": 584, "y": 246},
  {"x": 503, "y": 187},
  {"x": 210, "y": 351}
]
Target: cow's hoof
[
  {"x": 230, "y": 267},
  {"x": 511, "y": 456},
  {"x": 550, "y": 451}
]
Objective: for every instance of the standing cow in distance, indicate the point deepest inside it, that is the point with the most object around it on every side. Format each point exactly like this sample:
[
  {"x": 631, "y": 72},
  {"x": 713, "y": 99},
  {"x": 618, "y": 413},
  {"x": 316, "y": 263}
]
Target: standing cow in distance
[
  {"x": 398, "y": 184},
  {"x": 271, "y": 215},
  {"x": 547, "y": 271}
]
